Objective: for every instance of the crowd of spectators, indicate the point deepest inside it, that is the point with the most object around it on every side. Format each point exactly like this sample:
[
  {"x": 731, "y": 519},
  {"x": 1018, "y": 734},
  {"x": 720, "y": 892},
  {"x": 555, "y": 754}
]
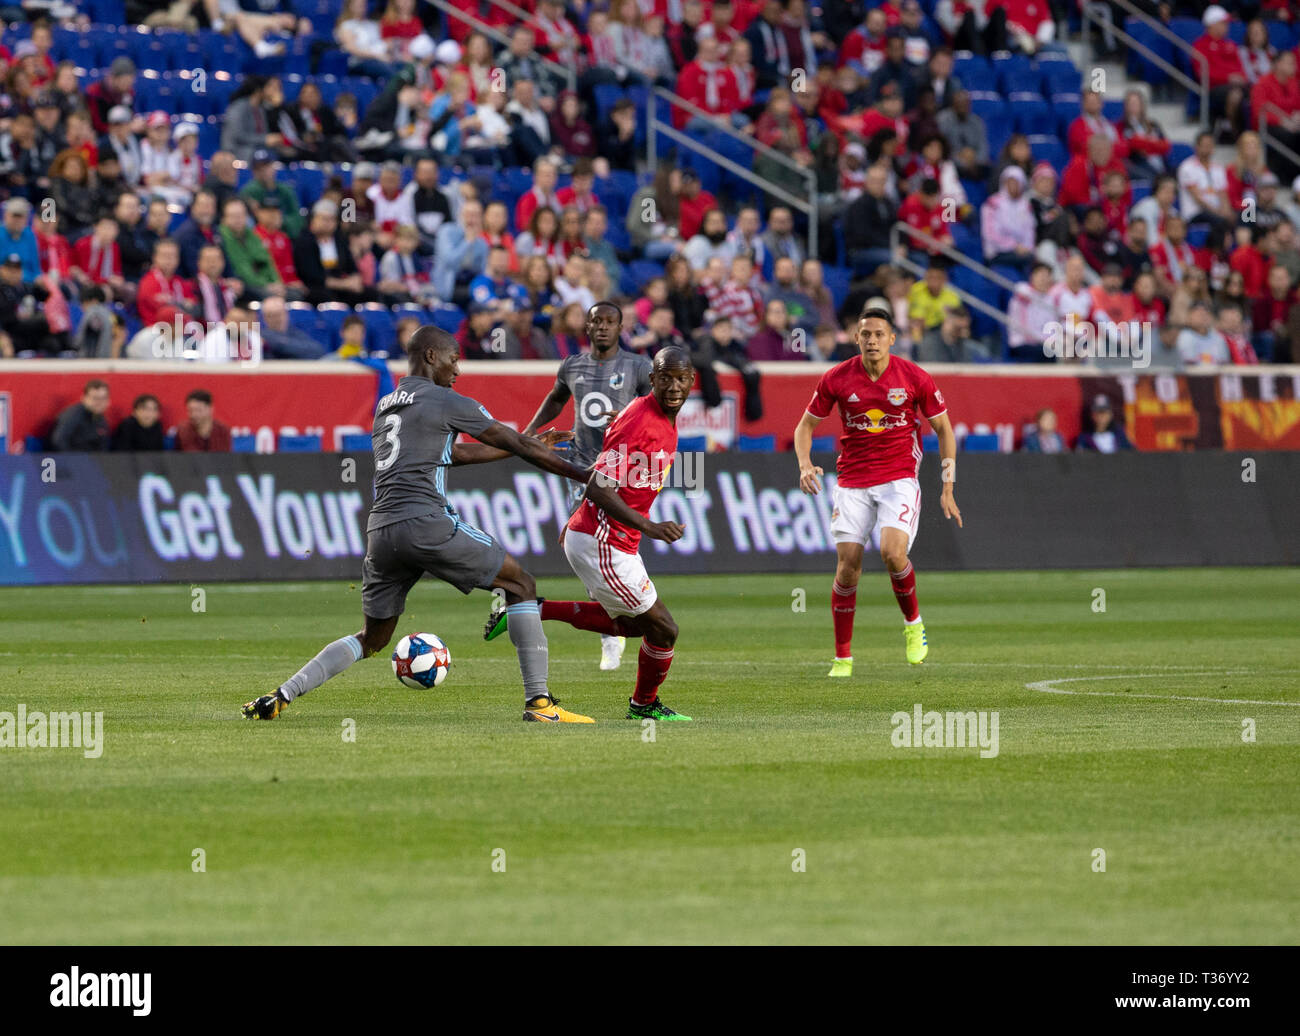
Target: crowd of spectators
[{"x": 119, "y": 220}]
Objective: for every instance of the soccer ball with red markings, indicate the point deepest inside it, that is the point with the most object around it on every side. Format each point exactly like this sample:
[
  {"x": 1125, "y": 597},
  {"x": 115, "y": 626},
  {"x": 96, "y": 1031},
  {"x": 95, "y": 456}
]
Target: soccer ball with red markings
[{"x": 421, "y": 660}]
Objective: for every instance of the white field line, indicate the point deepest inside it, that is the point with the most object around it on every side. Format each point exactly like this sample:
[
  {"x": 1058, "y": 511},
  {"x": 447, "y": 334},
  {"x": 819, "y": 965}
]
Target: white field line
[{"x": 1047, "y": 687}]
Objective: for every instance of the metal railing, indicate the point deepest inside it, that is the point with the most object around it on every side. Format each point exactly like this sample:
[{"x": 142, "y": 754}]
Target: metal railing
[
  {"x": 655, "y": 127},
  {"x": 565, "y": 72},
  {"x": 935, "y": 245},
  {"x": 1197, "y": 59},
  {"x": 1266, "y": 141}
]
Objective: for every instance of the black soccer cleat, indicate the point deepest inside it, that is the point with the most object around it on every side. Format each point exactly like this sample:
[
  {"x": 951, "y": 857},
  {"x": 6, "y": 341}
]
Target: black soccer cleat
[{"x": 268, "y": 706}]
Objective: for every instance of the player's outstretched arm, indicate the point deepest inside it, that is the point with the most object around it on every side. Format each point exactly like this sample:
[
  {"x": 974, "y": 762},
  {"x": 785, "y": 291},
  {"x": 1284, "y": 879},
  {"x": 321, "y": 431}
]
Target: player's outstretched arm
[
  {"x": 477, "y": 453},
  {"x": 947, "y": 466},
  {"x": 602, "y": 492},
  {"x": 550, "y": 408},
  {"x": 534, "y": 451},
  {"x": 810, "y": 475}
]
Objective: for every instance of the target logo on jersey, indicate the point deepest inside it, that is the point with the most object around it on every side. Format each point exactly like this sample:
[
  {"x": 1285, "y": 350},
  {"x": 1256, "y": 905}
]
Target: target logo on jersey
[{"x": 595, "y": 409}]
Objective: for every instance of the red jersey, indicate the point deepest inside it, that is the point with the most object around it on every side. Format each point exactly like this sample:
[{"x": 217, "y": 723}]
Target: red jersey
[
  {"x": 880, "y": 442},
  {"x": 638, "y": 448}
]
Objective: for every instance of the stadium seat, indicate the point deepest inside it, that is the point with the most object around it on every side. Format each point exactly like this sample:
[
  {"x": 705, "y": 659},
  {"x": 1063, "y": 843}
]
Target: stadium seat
[
  {"x": 983, "y": 443},
  {"x": 357, "y": 442},
  {"x": 1049, "y": 149},
  {"x": 837, "y": 280},
  {"x": 1013, "y": 71},
  {"x": 692, "y": 444},
  {"x": 381, "y": 328},
  {"x": 1031, "y": 114},
  {"x": 642, "y": 271},
  {"x": 930, "y": 443},
  {"x": 974, "y": 71},
  {"x": 243, "y": 444},
  {"x": 33, "y": 444},
  {"x": 299, "y": 444},
  {"x": 756, "y": 444},
  {"x": 823, "y": 444},
  {"x": 1059, "y": 77},
  {"x": 448, "y": 317}
]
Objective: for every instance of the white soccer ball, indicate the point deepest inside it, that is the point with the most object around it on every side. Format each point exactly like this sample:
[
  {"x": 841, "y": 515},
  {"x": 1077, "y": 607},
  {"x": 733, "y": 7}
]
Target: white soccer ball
[{"x": 421, "y": 660}]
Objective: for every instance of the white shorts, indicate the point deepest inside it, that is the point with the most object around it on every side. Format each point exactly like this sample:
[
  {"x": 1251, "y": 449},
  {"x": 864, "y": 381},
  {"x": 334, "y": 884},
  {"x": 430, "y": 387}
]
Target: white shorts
[
  {"x": 615, "y": 579},
  {"x": 860, "y": 512}
]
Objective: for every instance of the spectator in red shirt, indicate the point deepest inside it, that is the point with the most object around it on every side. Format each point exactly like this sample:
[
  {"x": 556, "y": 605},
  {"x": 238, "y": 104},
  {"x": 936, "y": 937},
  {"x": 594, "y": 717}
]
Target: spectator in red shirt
[
  {"x": 202, "y": 433},
  {"x": 163, "y": 296},
  {"x": 1091, "y": 121},
  {"x": 96, "y": 259},
  {"x": 1253, "y": 258},
  {"x": 708, "y": 84},
  {"x": 1227, "y": 75},
  {"x": 545, "y": 176},
  {"x": 1148, "y": 149},
  {"x": 1081, "y": 182},
  {"x": 118, "y": 87},
  {"x": 1269, "y": 316},
  {"x": 270, "y": 219},
  {"x": 692, "y": 203},
  {"x": 1279, "y": 89},
  {"x": 924, "y": 211},
  {"x": 1148, "y": 307}
]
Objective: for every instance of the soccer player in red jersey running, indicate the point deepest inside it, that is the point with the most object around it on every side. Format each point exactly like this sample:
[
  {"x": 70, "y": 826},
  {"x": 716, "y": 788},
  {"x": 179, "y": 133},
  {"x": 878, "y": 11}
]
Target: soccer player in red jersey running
[
  {"x": 879, "y": 399},
  {"x": 604, "y": 552}
]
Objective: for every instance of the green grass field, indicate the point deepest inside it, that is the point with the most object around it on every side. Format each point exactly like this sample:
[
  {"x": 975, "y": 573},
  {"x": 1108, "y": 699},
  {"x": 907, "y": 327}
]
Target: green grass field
[{"x": 690, "y": 838}]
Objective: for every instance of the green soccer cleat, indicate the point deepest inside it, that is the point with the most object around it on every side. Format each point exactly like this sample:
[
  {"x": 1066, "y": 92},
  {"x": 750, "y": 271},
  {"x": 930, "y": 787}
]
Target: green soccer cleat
[
  {"x": 655, "y": 710},
  {"x": 268, "y": 706},
  {"x": 917, "y": 648},
  {"x": 841, "y": 667},
  {"x": 497, "y": 621}
]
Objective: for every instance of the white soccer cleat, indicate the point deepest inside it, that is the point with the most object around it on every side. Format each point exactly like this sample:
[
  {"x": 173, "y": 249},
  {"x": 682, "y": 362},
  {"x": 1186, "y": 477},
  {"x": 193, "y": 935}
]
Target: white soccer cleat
[{"x": 611, "y": 652}]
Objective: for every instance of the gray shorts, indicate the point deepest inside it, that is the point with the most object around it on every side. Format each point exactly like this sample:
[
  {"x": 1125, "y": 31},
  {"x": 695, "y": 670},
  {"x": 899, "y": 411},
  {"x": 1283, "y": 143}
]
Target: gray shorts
[{"x": 399, "y": 554}]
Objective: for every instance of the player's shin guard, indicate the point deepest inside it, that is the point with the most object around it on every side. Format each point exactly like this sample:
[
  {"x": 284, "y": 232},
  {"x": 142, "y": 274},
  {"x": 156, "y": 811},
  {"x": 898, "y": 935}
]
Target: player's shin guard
[
  {"x": 333, "y": 659},
  {"x": 844, "y": 603},
  {"x": 525, "y": 629},
  {"x": 581, "y": 615},
  {"x": 651, "y": 670},
  {"x": 905, "y": 590}
]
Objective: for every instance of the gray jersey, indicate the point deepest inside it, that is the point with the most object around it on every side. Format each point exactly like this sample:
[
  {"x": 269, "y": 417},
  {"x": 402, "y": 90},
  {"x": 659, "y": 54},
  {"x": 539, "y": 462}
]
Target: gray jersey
[
  {"x": 415, "y": 428},
  {"x": 598, "y": 386}
]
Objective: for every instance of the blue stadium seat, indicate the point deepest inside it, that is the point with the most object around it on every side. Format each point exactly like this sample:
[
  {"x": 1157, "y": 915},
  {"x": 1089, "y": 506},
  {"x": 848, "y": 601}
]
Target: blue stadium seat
[
  {"x": 33, "y": 444},
  {"x": 837, "y": 280},
  {"x": 1049, "y": 149},
  {"x": 983, "y": 443},
  {"x": 756, "y": 443},
  {"x": 449, "y": 317},
  {"x": 823, "y": 444},
  {"x": 1013, "y": 71},
  {"x": 1112, "y": 110},
  {"x": 243, "y": 444},
  {"x": 1031, "y": 114},
  {"x": 1178, "y": 154},
  {"x": 299, "y": 444},
  {"x": 381, "y": 328},
  {"x": 1141, "y": 67},
  {"x": 1059, "y": 77},
  {"x": 357, "y": 442},
  {"x": 974, "y": 71},
  {"x": 930, "y": 443},
  {"x": 1066, "y": 108},
  {"x": 309, "y": 179},
  {"x": 643, "y": 271},
  {"x": 692, "y": 444},
  {"x": 1198, "y": 234}
]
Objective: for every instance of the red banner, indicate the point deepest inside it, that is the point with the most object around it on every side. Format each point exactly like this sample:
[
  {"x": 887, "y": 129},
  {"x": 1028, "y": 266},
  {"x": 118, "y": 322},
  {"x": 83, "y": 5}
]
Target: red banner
[
  {"x": 274, "y": 399},
  {"x": 1211, "y": 410}
]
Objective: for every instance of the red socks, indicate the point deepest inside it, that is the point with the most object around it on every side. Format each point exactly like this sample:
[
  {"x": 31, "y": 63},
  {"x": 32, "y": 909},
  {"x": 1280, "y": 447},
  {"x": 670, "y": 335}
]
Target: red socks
[
  {"x": 905, "y": 590},
  {"x": 582, "y": 615},
  {"x": 651, "y": 669},
  {"x": 844, "y": 602}
]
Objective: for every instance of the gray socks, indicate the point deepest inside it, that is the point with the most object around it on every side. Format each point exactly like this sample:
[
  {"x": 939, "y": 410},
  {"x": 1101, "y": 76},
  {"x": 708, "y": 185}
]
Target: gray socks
[
  {"x": 333, "y": 659},
  {"x": 525, "y": 629}
]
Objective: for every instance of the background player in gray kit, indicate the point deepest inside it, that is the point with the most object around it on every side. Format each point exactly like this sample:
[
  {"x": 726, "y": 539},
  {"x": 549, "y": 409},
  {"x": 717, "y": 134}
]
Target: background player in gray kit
[
  {"x": 601, "y": 384},
  {"x": 413, "y": 530}
]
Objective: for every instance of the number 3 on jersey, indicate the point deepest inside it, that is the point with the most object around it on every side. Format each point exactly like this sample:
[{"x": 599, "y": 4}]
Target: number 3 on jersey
[{"x": 394, "y": 423}]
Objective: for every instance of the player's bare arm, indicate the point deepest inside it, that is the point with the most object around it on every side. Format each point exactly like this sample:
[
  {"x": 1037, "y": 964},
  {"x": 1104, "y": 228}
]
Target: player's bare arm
[
  {"x": 603, "y": 492},
  {"x": 534, "y": 451},
  {"x": 478, "y": 453},
  {"x": 810, "y": 475},
  {"x": 947, "y": 465}
]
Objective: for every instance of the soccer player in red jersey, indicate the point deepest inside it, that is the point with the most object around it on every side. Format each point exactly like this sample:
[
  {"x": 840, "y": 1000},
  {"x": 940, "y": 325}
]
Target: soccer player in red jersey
[
  {"x": 879, "y": 399},
  {"x": 604, "y": 552}
]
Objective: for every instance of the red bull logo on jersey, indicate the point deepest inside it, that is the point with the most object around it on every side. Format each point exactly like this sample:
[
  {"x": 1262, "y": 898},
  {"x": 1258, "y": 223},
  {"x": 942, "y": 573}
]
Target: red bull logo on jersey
[
  {"x": 897, "y": 396},
  {"x": 876, "y": 421}
]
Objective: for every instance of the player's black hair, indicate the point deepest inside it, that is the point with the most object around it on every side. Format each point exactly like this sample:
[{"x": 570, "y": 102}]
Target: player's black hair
[
  {"x": 671, "y": 356},
  {"x": 429, "y": 337},
  {"x": 878, "y": 313},
  {"x": 605, "y": 302}
]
